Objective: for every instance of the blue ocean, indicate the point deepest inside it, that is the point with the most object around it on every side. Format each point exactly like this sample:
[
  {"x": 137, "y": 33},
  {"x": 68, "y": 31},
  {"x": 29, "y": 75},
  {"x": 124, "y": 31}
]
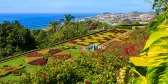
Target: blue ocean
[{"x": 32, "y": 21}]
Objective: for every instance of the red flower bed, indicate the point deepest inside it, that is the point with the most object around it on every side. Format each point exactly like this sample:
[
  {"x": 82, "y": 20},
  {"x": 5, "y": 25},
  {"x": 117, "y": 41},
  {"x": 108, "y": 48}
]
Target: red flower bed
[
  {"x": 41, "y": 61},
  {"x": 34, "y": 54},
  {"x": 130, "y": 50},
  {"x": 54, "y": 51}
]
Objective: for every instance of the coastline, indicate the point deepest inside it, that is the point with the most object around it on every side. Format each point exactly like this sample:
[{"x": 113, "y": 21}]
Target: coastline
[
  {"x": 115, "y": 19},
  {"x": 40, "y": 21}
]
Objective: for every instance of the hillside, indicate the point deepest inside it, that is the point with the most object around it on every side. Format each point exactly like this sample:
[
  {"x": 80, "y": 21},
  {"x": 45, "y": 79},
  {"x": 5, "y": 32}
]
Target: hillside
[{"x": 115, "y": 19}]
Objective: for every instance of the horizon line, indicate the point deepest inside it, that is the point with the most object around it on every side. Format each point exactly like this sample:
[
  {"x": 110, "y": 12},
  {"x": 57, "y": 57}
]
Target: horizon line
[{"x": 75, "y": 13}]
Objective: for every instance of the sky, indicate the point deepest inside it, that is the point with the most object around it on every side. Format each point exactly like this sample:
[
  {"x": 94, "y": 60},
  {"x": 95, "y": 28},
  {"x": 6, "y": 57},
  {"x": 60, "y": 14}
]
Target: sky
[{"x": 74, "y": 6}]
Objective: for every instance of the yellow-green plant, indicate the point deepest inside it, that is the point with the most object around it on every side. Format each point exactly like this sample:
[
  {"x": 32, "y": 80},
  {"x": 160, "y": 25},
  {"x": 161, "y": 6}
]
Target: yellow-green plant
[{"x": 152, "y": 65}]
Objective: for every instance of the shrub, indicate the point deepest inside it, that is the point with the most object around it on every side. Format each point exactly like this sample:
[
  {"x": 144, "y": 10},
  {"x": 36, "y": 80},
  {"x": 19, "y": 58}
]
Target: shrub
[{"x": 99, "y": 67}]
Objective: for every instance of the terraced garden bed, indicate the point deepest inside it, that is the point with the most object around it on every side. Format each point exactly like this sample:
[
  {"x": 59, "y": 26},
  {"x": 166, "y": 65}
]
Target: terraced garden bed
[
  {"x": 60, "y": 52},
  {"x": 100, "y": 38}
]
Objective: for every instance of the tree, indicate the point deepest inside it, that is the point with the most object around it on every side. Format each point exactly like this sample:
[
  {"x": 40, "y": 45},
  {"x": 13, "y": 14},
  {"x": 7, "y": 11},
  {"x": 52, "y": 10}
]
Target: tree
[
  {"x": 16, "y": 24},
  {"x": 160, "y": 5},
  {"x": 55, "y": 24},
  {"x": 14, "y": 37},
  {"x": 57, "y": 37},
  {"x": 68, "y": 18}
]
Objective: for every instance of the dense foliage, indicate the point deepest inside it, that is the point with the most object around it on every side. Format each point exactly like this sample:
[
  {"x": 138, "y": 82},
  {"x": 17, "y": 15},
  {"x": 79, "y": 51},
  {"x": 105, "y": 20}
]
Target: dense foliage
[
  {"x": 99, "y": 67},
  {"x": 95, "y": 67},
  {"x": 14, "y": 38},
  {"x": 158, "y": 21},
  {"x": 151, "y": 66},
  {"x": 160, "y": 6},
  {"x": 69, "y": 31}
]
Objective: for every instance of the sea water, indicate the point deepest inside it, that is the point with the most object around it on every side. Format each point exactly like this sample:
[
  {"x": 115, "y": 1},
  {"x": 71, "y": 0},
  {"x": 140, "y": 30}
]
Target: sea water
[{"x": 39, "y": 21}]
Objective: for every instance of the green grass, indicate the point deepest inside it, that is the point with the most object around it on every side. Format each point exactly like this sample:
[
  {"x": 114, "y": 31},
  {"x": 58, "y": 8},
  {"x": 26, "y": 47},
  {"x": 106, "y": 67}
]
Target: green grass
[
  {"x": 32, "y": 68},
  {"x": 29, "y": 68}
]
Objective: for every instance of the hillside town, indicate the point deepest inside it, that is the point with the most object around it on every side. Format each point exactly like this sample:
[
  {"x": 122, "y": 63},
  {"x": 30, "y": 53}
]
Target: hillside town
[{"x": 115, "y": 19}]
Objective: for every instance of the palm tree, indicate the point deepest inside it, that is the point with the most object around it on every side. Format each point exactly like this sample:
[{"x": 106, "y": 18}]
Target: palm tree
[
  {"x": 160, "y": 5},
  {"x": 55, "y": 24},
  {"x": 16, "y": 24},
  {"x": 68, "y": 18}
]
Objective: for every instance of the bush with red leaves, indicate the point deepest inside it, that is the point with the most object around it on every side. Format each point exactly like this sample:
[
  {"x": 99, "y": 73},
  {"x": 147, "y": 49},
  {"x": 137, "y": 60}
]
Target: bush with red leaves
[
  {"x": 87, "y": 82},
  {"x": 34, "y": 54},
  {"x": 54, "y": 51},
  {"x": 41, "y": 61}
]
